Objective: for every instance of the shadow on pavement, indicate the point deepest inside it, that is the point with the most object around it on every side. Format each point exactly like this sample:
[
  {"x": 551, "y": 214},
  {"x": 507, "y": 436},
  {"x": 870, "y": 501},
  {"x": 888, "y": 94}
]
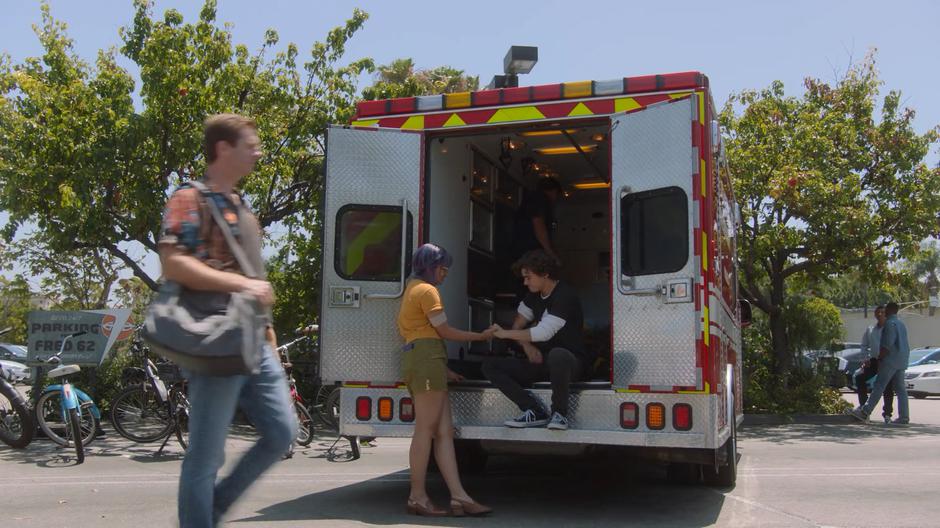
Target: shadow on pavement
[
  {"x": 851, "y": 433},
  {"x": 529, "y": 491}
]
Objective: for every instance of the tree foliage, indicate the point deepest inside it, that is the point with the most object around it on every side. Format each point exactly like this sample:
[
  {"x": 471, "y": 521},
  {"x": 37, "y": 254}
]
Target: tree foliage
[
  {"x": 399, "y": 78},
  {"x": 827, "y": 182},
  {"x": 15, "y": 298},
  {"x": 92, "y": 170}
]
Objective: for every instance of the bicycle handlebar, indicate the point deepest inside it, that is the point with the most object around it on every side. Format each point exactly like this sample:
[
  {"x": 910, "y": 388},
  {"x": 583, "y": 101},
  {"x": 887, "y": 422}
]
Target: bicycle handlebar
[{"x": 307, "y": 330}]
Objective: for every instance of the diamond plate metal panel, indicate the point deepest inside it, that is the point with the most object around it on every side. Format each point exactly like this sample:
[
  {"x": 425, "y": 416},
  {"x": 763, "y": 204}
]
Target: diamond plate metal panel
[
  {"x": 373, "y": 167},
  {"x": 654, "y": 343},
  {"x": 594, "y": 417}
]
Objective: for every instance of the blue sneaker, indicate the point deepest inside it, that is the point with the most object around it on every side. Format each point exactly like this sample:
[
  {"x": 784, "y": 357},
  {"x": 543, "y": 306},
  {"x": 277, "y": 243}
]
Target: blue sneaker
[
  {"x": 527, "y": 419},
  {"x": 558, "y": 422}
]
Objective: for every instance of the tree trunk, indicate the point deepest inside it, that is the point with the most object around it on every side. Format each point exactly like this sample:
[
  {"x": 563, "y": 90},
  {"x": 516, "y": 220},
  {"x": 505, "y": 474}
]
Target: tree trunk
[{"x": 778, "y": 328}]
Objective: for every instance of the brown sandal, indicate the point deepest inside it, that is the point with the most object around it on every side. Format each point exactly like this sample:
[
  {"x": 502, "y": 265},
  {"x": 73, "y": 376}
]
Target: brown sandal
[
  {"x": 459, "y": 508},
  {"x": 416, "y": 508}
]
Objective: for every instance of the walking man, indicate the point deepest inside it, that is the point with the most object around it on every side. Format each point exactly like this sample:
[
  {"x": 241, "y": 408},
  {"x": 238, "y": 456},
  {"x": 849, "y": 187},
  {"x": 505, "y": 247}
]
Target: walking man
[
  {"x": 194, "y": 253},
  {"x": 871, "y": 346},
  {"x": 892, "y": 363}
]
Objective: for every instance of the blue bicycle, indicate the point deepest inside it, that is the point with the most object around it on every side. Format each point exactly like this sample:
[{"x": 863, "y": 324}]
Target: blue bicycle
[{"x": 63, "y": 412}]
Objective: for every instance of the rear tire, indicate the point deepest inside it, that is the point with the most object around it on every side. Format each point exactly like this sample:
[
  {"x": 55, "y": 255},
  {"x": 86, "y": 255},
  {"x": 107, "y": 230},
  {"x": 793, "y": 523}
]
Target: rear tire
[
  {"x": 17, "y": 427},
  {"x": 138, "y": 415},
  {"x": 918, "y": 395},
  {"x": 305, "y": 425},
  {"x": 725, "y": 476},
  {"x": 75, "y": 426},
  {"x": 48, "y": 413}
]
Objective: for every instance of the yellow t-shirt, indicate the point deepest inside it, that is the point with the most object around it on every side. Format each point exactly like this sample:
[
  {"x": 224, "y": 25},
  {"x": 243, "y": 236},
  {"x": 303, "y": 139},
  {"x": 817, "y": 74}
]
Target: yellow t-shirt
[{"x": 419, "y": 299}]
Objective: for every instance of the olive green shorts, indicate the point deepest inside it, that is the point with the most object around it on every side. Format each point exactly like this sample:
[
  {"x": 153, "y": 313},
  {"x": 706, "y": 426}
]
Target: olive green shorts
[{"x": 424, "y": 365}]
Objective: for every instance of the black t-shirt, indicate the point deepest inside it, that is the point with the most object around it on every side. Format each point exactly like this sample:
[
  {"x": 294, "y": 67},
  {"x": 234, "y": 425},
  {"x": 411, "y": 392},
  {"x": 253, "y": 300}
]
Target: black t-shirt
[
  {"x": 564, "y": 304},
  {"x": 534, "y": 204}
]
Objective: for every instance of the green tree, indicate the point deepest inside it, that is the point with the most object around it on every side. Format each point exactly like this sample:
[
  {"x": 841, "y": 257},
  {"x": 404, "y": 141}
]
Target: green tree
[
  {"x": 926, "y": 265},
  {"x": 400, "y": 79},
  {"x": 92, "y": 171},
  {"x": 826, "y": 184},
  {"x": 15, "y": 298}
]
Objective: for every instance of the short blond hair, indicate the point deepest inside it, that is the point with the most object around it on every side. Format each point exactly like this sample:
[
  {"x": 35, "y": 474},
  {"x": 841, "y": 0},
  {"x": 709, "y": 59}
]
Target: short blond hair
[{"x": 223, "y": 127}]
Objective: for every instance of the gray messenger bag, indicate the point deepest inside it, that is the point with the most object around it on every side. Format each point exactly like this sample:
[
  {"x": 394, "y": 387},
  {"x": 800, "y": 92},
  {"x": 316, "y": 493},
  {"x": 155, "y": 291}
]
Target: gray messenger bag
[{"x": 209, "y": 333}]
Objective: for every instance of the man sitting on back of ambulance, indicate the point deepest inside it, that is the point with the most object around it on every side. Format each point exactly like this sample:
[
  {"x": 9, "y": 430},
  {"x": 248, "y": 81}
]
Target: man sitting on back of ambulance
[{"x": 548, "y": 328}]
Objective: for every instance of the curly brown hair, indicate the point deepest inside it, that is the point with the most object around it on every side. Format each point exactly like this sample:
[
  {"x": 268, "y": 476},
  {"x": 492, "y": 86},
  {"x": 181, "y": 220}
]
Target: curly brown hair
[{"x": 539, "y": 262}]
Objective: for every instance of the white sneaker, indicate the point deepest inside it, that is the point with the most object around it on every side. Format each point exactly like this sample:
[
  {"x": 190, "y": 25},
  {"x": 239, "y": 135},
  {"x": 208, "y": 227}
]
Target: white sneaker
[
  {"x": 558, "y": 422},
  {"x": 858, "y": 414},
  {"x": 527, "y": 419}
]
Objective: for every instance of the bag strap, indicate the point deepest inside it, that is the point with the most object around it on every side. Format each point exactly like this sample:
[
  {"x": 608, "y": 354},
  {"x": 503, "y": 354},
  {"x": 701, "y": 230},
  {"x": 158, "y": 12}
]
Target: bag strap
[{"x": 233, "y": 244}]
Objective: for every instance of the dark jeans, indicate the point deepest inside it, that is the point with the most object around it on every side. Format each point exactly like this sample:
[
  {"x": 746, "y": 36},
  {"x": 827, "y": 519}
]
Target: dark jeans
[
  {"x": 511, "y": 376},
  {"x": 861, "y": 378}
]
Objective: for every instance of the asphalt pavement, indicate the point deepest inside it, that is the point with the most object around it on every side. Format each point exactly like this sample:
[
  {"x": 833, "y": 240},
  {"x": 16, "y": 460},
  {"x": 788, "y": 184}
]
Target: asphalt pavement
[{"x": 791, "y": 475}]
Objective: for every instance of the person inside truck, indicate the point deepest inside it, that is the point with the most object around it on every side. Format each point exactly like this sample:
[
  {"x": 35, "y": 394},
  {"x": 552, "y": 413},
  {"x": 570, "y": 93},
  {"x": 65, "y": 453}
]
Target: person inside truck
[
  {"x": 534, "y": 222},
  {"x": 423, "y": 324},
  {"x": 548, "y": 326}
]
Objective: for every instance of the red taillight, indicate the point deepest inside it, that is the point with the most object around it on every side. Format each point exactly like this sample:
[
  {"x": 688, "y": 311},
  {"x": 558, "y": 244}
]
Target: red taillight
[
  {"x": 385, "y": 409},
  {"x": 682, "y": 416},
  {"x": 363, "y": 408},
  {"x": 406, "y": 410},
  {"x": 629, "y": 415}
]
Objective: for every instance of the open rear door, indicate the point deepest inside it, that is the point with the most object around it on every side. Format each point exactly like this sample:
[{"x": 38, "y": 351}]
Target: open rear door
[
  {"x": 655, "y": 216},
  {"x": 373, "y": 178}
]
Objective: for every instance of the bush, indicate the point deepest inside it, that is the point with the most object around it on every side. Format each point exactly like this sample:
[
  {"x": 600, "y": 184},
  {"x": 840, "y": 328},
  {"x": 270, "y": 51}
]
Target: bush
[{"x": 800, "y": 391}]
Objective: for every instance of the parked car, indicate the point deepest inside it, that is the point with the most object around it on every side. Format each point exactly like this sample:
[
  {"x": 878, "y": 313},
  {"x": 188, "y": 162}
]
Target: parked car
[
  {"x": 923, "y": 356},
  {"x": 14, "y": 371},
  {"x": 850, "y": 360},
  {"x": 923, "y": 380},
  {"x": 13, "y": 352}
]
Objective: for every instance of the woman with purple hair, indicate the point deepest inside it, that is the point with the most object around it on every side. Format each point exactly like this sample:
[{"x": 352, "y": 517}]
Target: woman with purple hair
[{"x": 423, "y": 324}]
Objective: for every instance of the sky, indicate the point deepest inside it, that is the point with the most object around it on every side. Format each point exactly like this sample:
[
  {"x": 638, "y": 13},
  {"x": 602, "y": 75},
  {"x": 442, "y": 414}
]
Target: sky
[{"x": 738, "y": 44}]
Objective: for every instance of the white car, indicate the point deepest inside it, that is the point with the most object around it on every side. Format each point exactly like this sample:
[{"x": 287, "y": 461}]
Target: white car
[
  {"x": 13, "y": 371},
  {"x": 923, "y": 380}
]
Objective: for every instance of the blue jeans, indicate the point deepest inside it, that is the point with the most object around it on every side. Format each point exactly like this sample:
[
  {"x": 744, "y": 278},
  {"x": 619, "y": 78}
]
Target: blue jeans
[
  {"x": 265, "y": 398},
  {"x": 895, "y": 376}
]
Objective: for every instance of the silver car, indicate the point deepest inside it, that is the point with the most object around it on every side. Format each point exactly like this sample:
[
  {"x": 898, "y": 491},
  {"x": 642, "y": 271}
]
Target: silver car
[{"x": 13, "y": 371}]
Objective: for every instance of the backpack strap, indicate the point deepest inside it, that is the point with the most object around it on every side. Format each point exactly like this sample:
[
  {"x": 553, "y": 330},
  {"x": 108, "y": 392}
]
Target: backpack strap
[{"x": 233, "y": 244}]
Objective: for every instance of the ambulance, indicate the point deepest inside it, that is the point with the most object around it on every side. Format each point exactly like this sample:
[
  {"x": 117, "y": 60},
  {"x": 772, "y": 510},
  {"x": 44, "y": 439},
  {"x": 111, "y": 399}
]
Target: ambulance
[{"x": 645, "y": 232}]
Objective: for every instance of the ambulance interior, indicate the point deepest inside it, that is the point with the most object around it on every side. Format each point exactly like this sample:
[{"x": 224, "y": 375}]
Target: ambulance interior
[{"x": 476, "y": 185}]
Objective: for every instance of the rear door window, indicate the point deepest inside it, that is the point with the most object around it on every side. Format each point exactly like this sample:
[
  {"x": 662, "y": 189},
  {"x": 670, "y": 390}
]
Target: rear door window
[{"x": 654, "y": 231}]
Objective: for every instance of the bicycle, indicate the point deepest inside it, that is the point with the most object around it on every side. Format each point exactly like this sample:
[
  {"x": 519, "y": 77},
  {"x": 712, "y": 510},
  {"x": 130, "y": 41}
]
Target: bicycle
[
  {"x": 63, "y": 412},
  {"x": 17, "y": 427},
  {"x": 147, "y": 410},
  {"x": 305, "y": 430}
]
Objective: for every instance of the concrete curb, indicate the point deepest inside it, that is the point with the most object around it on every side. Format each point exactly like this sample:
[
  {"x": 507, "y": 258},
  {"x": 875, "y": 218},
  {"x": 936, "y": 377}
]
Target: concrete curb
[{"x": 757, "y": 420}]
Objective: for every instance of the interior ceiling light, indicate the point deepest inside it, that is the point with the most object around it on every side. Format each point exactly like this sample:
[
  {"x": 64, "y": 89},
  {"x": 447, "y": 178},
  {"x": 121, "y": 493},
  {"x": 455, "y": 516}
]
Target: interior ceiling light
[
  {"x": 598, "y": 137},
  {"x": 591, "y": 185},
  {"x": 553, "y": 151},
  {"x": 536, "y": 133}
]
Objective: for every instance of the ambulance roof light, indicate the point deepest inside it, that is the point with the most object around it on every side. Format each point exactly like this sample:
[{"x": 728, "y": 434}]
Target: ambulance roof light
[{"x": 519, "y": 59}]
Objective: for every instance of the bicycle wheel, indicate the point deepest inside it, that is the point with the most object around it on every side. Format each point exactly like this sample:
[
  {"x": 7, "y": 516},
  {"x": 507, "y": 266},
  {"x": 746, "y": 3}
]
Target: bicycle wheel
[
  {"x": 182, "y": 420},
  {"x": 75, "y": 428},
  {"x": 329, "y": 412},
  {"x": 16, "y": 422},
  {"x": 139, "y": 415},
  {"x": 305, "y": 425},
  {"x": 48, "y": 412}
]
